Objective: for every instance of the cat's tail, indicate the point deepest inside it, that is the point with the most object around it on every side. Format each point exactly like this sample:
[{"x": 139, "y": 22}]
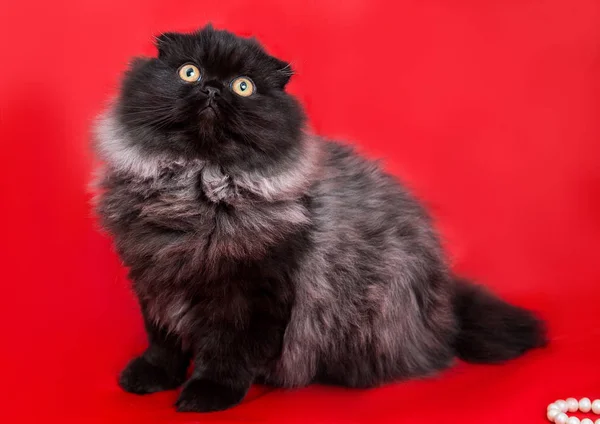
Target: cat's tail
[{"x": 492, "y": 330}]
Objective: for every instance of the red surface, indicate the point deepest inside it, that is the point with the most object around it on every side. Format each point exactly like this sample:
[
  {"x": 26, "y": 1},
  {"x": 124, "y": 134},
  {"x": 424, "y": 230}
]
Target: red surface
[{"x": 489, "y": 109}]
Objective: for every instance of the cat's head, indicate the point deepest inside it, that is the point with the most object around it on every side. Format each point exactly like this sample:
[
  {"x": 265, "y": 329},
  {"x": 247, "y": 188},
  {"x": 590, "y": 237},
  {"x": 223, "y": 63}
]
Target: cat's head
[{"x": 209, "y": 95}]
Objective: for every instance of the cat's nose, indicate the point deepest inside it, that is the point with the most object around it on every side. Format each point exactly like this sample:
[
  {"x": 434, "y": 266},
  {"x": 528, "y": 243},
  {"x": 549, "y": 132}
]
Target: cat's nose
[{"x": 212, "y": 91}]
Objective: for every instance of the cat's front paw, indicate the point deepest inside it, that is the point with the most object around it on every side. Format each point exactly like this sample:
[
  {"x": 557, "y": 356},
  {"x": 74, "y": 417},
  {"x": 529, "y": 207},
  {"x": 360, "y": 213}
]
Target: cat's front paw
[
  {"x": 142, "y": 377},
  {"x": 199, "y": 395}
]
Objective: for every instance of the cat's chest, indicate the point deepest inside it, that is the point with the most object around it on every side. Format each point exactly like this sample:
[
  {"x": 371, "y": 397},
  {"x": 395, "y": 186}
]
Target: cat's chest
[
  {"x": 199, "y": 216},
  {"x": 174, "y": 202}
]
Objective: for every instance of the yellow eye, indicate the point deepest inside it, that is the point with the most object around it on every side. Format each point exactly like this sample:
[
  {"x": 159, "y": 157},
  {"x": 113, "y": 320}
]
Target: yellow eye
[
  {"x": 242, "y": 86},
  {"x": 189, "y": 73}
]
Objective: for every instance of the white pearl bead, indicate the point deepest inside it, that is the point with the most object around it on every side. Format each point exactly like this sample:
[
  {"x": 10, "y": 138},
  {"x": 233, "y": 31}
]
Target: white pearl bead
[
  {"x": 596, "y": 407},
  {"x": 572, "y": 404},
  {"x": 553, "y": 406},
  {"x": 587, "y": 421},
  {"x": 597, "y": 421},
  {"x": 561, "y": 418},
  {"x": 573, "y": 420},
  {"x": 585, "y": 405},
  {"x": 552, "y": 413},
  {"x": 562, "y": 405}
]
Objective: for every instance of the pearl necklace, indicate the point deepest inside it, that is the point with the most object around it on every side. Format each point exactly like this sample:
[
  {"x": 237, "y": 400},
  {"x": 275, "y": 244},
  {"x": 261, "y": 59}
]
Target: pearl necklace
[{"x": 556, "y": 411}]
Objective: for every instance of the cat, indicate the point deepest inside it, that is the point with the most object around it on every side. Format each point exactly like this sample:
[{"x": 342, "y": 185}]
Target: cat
[{"x": 260, "y": 252}]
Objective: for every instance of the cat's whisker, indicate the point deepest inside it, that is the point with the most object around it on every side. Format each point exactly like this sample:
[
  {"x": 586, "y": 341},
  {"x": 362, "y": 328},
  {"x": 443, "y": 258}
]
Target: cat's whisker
[
  {"x": 287, "y": 69},
  {"x": 151, "y": 107},
  {"x": 155, "y": 95},
  {"x": 145, "y": 112}
]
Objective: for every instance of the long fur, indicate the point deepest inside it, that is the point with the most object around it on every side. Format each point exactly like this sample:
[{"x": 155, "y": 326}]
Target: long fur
[{"x": 263, "y": 253}]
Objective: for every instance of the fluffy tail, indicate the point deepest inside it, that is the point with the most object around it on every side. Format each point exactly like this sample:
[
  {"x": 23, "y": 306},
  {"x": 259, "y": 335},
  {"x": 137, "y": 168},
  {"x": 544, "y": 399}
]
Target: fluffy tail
[{"x": 491, "y": 330}]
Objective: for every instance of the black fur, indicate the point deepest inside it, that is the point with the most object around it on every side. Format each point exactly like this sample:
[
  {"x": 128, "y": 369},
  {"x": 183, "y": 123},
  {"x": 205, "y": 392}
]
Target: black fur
[
  {"x": 491, "y": 330},
  {"x": 262, "y": 253}
]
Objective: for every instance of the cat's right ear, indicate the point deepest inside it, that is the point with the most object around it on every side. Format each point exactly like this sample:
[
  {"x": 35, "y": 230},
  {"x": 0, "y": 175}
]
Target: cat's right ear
[
  {"x": 165, "y": 43},
  {"x": 137, "y": 62},
  {"x": 283, "y": 71}
]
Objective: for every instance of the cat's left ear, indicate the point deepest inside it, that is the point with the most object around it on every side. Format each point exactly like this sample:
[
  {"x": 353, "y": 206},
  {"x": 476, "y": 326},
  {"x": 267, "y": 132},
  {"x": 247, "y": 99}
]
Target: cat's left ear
[
  {"x": 282, "y": 72},
  {"x": 165, "y": 43}
]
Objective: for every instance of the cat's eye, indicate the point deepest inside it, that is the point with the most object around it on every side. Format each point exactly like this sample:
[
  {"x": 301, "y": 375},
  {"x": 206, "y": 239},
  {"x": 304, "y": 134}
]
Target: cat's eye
[
  {"x": 242, "y": 86},
  {"x": 189, "y": 73}
]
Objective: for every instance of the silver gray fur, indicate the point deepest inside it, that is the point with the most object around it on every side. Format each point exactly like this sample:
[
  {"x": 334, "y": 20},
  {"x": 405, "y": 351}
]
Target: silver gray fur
[{"x": 374, "y": 280}]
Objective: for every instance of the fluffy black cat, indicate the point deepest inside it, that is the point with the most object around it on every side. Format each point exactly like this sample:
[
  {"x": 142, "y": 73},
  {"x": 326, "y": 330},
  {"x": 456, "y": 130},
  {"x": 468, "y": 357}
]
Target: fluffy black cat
[{"x": 260, "y": 252}]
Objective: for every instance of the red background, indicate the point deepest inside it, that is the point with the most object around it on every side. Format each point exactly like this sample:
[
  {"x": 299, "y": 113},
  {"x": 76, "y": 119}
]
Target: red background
[{"x": 490, "y": 110}]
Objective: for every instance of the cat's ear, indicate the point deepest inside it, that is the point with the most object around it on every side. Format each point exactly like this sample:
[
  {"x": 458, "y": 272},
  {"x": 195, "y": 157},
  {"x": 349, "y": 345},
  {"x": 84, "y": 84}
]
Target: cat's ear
[
  {"x": 207, "y": 28},
  {"x": 165, "y": 43},
  {"x": 137, "y": 62},
  {"x": 283, "y": 72}
]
